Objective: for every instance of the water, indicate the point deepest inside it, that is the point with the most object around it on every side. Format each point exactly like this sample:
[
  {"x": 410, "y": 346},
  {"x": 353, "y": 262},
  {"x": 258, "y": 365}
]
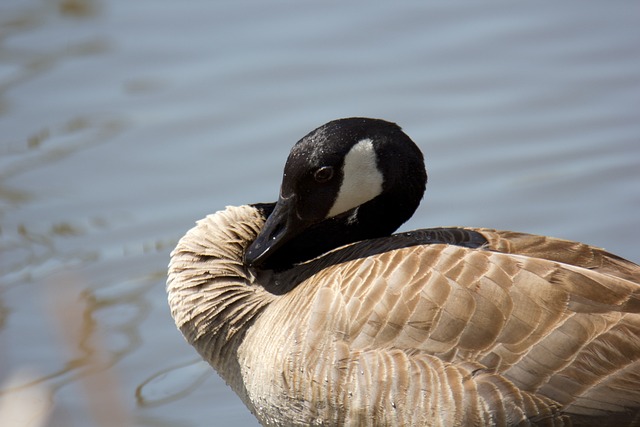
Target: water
[{"x": 123, "y": 122}]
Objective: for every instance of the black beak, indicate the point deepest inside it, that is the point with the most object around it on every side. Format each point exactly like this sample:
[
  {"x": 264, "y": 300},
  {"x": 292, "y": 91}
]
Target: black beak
[{"x": 282, "y": 225}]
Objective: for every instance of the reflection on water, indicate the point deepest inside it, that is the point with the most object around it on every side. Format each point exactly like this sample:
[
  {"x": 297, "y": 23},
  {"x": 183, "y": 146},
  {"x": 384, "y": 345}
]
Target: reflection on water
[
  {"x": 171, "y": 383},
  {"x": 24, "y": 406},
  {"x": 124, "y": 122},
  {"x": 74, "y": 315}
]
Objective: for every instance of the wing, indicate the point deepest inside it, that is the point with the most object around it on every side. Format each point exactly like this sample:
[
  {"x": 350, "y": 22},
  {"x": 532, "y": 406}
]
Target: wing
[
  {"x": 559, "y": 250},
  {"x": 513, "y": 325}
]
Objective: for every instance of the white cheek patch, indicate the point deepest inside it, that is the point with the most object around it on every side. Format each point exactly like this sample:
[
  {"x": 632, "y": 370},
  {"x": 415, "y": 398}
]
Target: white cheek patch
[{"x": 362, "y": 180}]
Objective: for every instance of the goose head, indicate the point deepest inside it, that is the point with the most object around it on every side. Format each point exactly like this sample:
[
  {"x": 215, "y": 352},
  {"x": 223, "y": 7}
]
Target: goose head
[{"x": 348, "y": 180}]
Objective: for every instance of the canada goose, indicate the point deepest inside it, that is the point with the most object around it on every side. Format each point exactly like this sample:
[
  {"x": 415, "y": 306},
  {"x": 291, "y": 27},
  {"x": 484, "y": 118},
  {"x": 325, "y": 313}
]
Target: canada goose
[{"x": 316, "y": 315}]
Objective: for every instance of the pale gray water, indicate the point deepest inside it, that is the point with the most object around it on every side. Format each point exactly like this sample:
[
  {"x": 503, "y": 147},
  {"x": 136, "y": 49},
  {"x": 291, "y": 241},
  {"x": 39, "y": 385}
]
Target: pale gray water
[{"x": 124, "y": 122}]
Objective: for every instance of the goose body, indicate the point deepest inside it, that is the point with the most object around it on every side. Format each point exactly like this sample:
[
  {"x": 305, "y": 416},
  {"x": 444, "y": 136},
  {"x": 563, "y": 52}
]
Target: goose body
[{"x": 315, "y": 314}]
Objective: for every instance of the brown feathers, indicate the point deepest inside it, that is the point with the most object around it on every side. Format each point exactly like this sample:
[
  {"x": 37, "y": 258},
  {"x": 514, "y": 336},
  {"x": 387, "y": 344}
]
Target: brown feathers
[{"x": 524, "y": 330}]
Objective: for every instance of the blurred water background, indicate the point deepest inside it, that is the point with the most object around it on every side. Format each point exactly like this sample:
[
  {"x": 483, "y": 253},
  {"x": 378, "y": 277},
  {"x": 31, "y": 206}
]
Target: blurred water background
[{"x": 122, "y": 122}]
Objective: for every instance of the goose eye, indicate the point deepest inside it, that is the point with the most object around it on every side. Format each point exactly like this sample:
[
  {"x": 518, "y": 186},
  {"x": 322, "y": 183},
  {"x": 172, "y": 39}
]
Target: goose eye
[{"x": 323, "y": 174}]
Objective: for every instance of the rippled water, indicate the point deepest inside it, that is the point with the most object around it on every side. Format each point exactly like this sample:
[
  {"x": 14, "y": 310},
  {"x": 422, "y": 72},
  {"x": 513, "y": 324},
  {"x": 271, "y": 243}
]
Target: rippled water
[{"x": 121, "y": 123}]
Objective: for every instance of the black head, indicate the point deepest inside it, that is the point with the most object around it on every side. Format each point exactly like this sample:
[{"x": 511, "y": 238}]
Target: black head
[{"x": 348, "y": 180}]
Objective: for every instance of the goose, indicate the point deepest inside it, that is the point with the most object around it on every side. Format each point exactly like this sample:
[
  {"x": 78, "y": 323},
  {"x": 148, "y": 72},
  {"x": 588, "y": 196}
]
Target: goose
[{"x": 316, "y": 314}]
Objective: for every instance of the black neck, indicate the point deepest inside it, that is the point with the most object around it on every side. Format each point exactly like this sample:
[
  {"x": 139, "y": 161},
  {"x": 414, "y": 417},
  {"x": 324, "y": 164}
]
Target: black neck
[{"x": 377, "y": 218}]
